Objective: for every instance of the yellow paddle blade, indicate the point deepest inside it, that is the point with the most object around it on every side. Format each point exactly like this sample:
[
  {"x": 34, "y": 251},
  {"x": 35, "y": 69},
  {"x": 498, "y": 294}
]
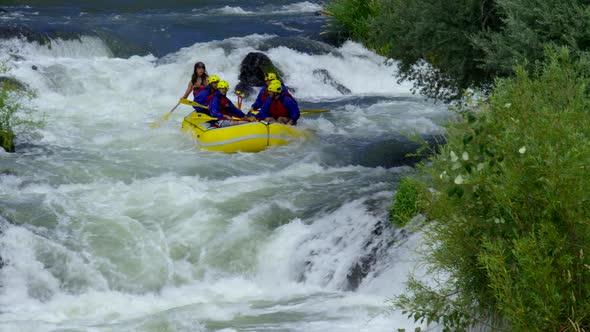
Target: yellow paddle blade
[
  {"x": 313, "y": 111},
  {"x": 158, "y": 122},
  {"x": 192, "y": 103},
  {"x": 200, "y": 117}
]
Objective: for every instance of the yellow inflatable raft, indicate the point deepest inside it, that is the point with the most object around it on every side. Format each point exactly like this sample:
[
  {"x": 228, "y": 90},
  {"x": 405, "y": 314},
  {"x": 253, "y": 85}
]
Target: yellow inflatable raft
[{"x": 247, "y": 137}]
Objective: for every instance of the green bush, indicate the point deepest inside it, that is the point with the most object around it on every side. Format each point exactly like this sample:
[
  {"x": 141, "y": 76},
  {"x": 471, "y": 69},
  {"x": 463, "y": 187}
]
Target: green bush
[
  {"x": 529, "y": 25},
  {"x": 432, "y": 41},
  {"x": 509, "y": 236},
  {"x": 416, "y": 32},
  {"x": 352, "y": 17},
  {"x": 446, "y": 46},
  {"x": 14, "y": 116},
  {"x": 405, "y": 202}
]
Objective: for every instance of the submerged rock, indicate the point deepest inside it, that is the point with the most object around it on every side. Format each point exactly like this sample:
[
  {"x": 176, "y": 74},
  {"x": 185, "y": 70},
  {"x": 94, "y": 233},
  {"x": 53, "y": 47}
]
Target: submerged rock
[
  {"x": 300, "y": 44},
  {"x": 12, "y": 83},
  {"x": 373, "y": 255},
  {"x": 395, "y": 152},
  {"x": 365, "y": 263},
  {"x": 324, "y": 76},
  {"x": 30, "y": 35}
]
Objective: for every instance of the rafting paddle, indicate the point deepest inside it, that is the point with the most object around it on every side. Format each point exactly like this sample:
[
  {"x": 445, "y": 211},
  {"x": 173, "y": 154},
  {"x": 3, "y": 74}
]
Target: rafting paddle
[
  {"x": 157, "y": 123},
  {"x": 203, "y": 117},
  {"x": 192, "y": 103},
  {"x": 304, "y": 112},
  {"x": 313, "y": 111}
]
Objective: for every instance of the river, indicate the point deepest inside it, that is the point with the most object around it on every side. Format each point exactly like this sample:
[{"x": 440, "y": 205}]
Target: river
[{"x": 109, "y": 225}]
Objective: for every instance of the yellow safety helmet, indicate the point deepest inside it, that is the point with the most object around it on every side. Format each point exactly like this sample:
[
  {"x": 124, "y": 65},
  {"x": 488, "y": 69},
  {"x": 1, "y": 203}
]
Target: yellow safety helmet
[
  {"x": 270, "y": 76},
  {"x": 223, "y": 85},
  {"x": 275, "y": 86},
  {"x": 214, "y": 79}
]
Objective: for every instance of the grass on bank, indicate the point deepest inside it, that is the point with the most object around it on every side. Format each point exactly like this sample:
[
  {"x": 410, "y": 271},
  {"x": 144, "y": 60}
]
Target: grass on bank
[
  {"x": 14, "y": 116},
  {"x": 406, "y": 202},
  {"x": 509, "y": 204}
]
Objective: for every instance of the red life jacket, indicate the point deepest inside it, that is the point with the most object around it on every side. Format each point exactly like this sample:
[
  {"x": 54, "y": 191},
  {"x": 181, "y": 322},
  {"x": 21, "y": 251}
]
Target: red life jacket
[
  {"x": 277, "y": 109},
  {"x": 210, "y": 97},
  {"x": 198, "y": 89},
  {"x": 264, "y": 96},
  {"x": 223, "y": 103}
]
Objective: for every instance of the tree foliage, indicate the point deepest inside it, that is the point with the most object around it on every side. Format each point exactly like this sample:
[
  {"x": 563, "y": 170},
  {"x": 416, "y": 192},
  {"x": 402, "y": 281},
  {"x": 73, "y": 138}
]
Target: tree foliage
[
  {"x": 432, "y": 41},
  {"x": 354, "y": 26},
  {"x": 510, "y": 207},
  {"x": 529, "y": 25},
  {"x": 445, "y": 46}
]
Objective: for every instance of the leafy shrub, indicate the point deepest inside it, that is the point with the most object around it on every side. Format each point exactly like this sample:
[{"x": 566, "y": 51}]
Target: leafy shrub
[
  {"x": 528, "y": 26},
  {"x": 352, "y": 17},
  {"x": 14, "y": 116},
  {"x": 432, "y": 41},
  {"x": 510, "y": 233},
  {"x": 444, "y": 47}
]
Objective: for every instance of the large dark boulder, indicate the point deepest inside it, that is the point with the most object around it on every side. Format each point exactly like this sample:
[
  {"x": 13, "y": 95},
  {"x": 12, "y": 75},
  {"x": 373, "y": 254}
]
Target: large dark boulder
[{"x": 252, "y": 70}]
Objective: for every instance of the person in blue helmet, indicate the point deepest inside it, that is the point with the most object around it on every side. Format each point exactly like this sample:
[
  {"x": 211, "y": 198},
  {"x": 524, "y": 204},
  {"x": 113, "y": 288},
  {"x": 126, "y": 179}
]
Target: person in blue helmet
[
  {"x": 206, "y": 94},
  {"x": 223, "y": 109},
  {"x": 280, "y": 106},
  {"x": 263, "y": 94}
]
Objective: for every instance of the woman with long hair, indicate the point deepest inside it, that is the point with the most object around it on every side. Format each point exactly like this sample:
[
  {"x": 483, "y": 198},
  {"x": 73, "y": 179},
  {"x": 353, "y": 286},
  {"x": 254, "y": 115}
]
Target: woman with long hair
[{"x": 198, "y": 81}]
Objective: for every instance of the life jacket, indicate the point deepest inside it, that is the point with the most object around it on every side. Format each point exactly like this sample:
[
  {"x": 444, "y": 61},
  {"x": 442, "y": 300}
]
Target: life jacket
[
  {"x": 277, "y": 109},
  {"x": 211, "y": 95},
  {"x": 199, "y": 88},
  {"x": 223, "y": 103},
  {"x": 264, "y": 96}
]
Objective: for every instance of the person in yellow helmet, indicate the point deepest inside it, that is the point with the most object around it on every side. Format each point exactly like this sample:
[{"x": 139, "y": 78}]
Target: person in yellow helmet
[
  {"x": 222, "y": 108},
  {"x": 263, "y": 94},
  {"x": 205, "y": 95},
  {"x": 280, "y": 106}
]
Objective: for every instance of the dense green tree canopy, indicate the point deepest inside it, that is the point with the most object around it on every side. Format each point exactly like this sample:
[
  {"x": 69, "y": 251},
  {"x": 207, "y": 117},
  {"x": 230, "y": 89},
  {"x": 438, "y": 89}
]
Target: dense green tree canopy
[{"x": 445, "y": 46}]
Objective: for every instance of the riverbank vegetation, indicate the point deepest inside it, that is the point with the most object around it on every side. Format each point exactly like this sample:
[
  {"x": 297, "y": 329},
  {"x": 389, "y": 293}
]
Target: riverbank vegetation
[
  {"x": 444, "y": 47},
  {"x": 506, "y": 198},
  {"x": 14, "y": 115}
]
